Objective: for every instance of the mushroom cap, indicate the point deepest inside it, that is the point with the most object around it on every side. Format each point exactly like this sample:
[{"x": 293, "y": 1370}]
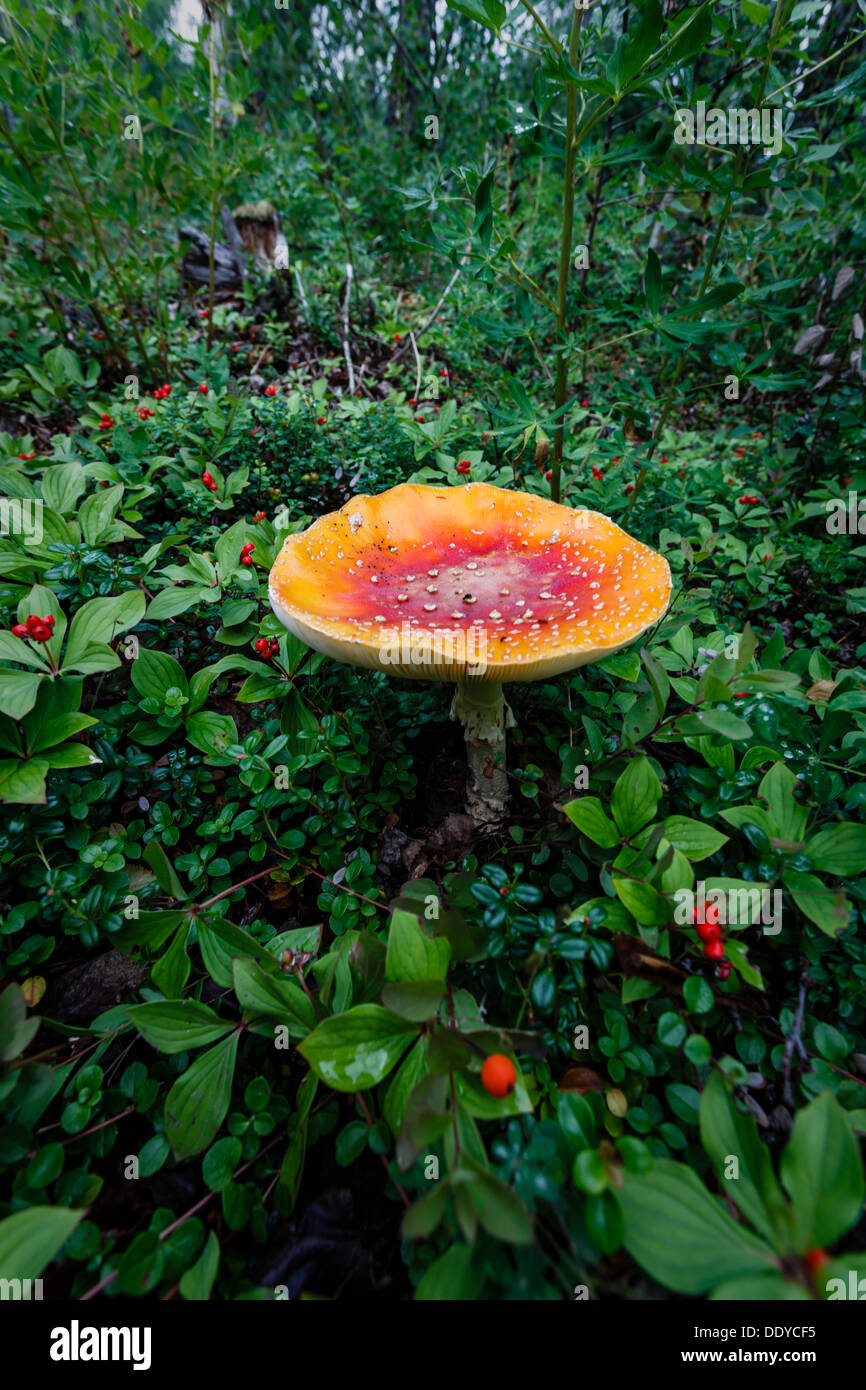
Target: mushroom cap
[{"x": 467, "y": 583}]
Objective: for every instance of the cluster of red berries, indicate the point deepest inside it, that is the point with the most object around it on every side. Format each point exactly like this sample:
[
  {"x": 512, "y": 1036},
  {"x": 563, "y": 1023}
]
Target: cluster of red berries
[
  {"x": 144, "y": 411},
  {"x": 247, "y": 553},
  {"x": 707, "y": 927},
  {"x": 260, "y": 516},
  {"x": 747, "y": 499},
  {"x": 161, "y": 392},
  {"x": 419, "y": 419},
  {"x": 37, "y": 629},
  {"x": 106, "y": 421},
  {"x": 266, "y": 647},
  {"x": 464, "y": 466},
  {"x": 271, "y": 390},
  {"x": 207, "y": 479},
  {"x": 27, "y": 457},
  {"x": 321, "y": 420}
]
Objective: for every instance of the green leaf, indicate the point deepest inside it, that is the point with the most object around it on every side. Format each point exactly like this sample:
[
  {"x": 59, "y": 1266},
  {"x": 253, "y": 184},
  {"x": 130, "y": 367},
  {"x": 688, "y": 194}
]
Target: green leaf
[
  {"x": 141, "y": 1264},
  {"x": 788, "y": 818},
  {"x": 500, "y": 1211},
  {"x": 407, "y": 1076},
  {"x": 221, "y": 942},
  {"x": 355, "y": 1050},
  {"x": 587, "y": 814},
  {"x": 714, "y": 721},
  {"x": 23, "y": 782},
  {"x": 211, "y": 732},
  {"x": 14, "y": 648},
  {"x": 156, "y": 858},
  {"x": 694, "y": 839},
  {"x": 635, "y": 796},
  {"x": 839, "y": 849},
  {"x": 197, "y": 1281},
  {"x": 18, "y": 691},
  {"x": 220, "y": 1162},
  {"x": 153, "y": 673},
  {"x": 101, "y": 620},
  {"x": 29, "y": 1240},
  {"x": 575, "y": 1118},
  {"x": 412, "y": 954},
  {"x": 16, "y": 1029},
  {"x": 698, "y": 995},
  {"x": 760, "y": 1288},
  {"x": 424, "y": 1216},
  {"x": 171, "y": 971},
  {"x": 486, "y": 1107},
  {"x": 62, "y": 485},
  {"x": 414, "y": 999},
  {"x": 173, "y": 600},
  {"x": 275, "y": 996},
  {"x": 822, "y": 1171},
  {"x": 758, "y": 14},
  {"x": 198, "y": 1102},
  {"x": 648, "y": 907},
  {"x": 708, "y": 1246},
  {"x": 828, "y": 908},
  {"x": 726, "y": 1133},
  {"x": 178, "y": 1025},
  {"x": 604, "y": 1221},
  {"x": 96, "y": 515},
  {"x": 451, "y": 1277}
]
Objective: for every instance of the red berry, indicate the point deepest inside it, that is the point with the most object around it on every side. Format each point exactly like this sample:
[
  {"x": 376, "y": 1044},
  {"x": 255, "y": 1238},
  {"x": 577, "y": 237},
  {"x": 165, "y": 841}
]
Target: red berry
[
  {"x": 815, "y": 1259},
  {"x": 271, "y": 390},
  {"x": 714, "y": 949},
  {"x": 708, "y": 931},
  {"x": 723, "y": 970},
  {"x": 498, "y": 1075},
  {"x": 549, "y": 475},
  {"x": 202, "y": 388},
  {"x": 321, "y": 420},
  {"x": 19, "y": 630}
]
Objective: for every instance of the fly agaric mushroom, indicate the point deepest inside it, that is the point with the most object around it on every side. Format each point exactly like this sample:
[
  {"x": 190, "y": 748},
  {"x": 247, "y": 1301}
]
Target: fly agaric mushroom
[{"x": 476, "y": 585}]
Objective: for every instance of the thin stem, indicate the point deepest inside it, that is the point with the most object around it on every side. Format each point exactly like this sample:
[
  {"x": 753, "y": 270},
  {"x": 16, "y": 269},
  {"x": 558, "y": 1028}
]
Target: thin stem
[{"x": 565, "y": 254}]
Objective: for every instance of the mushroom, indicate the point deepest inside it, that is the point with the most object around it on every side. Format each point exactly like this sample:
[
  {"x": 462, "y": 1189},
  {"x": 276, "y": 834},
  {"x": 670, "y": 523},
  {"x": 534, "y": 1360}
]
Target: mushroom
[{"x": 524, "y": 589}]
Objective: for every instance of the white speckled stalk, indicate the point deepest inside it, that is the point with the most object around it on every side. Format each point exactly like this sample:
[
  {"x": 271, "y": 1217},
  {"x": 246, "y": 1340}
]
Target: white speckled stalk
[{"x": 480, "y": 706}]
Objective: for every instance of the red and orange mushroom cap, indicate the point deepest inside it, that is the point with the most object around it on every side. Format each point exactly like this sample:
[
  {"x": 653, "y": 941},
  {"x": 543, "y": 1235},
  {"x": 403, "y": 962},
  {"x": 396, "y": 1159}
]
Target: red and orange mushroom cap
[{"x": 474, "y": 582}]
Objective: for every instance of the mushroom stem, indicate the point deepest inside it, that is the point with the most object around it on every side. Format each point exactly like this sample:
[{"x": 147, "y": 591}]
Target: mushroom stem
[{"x": 480, "y": 706}]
